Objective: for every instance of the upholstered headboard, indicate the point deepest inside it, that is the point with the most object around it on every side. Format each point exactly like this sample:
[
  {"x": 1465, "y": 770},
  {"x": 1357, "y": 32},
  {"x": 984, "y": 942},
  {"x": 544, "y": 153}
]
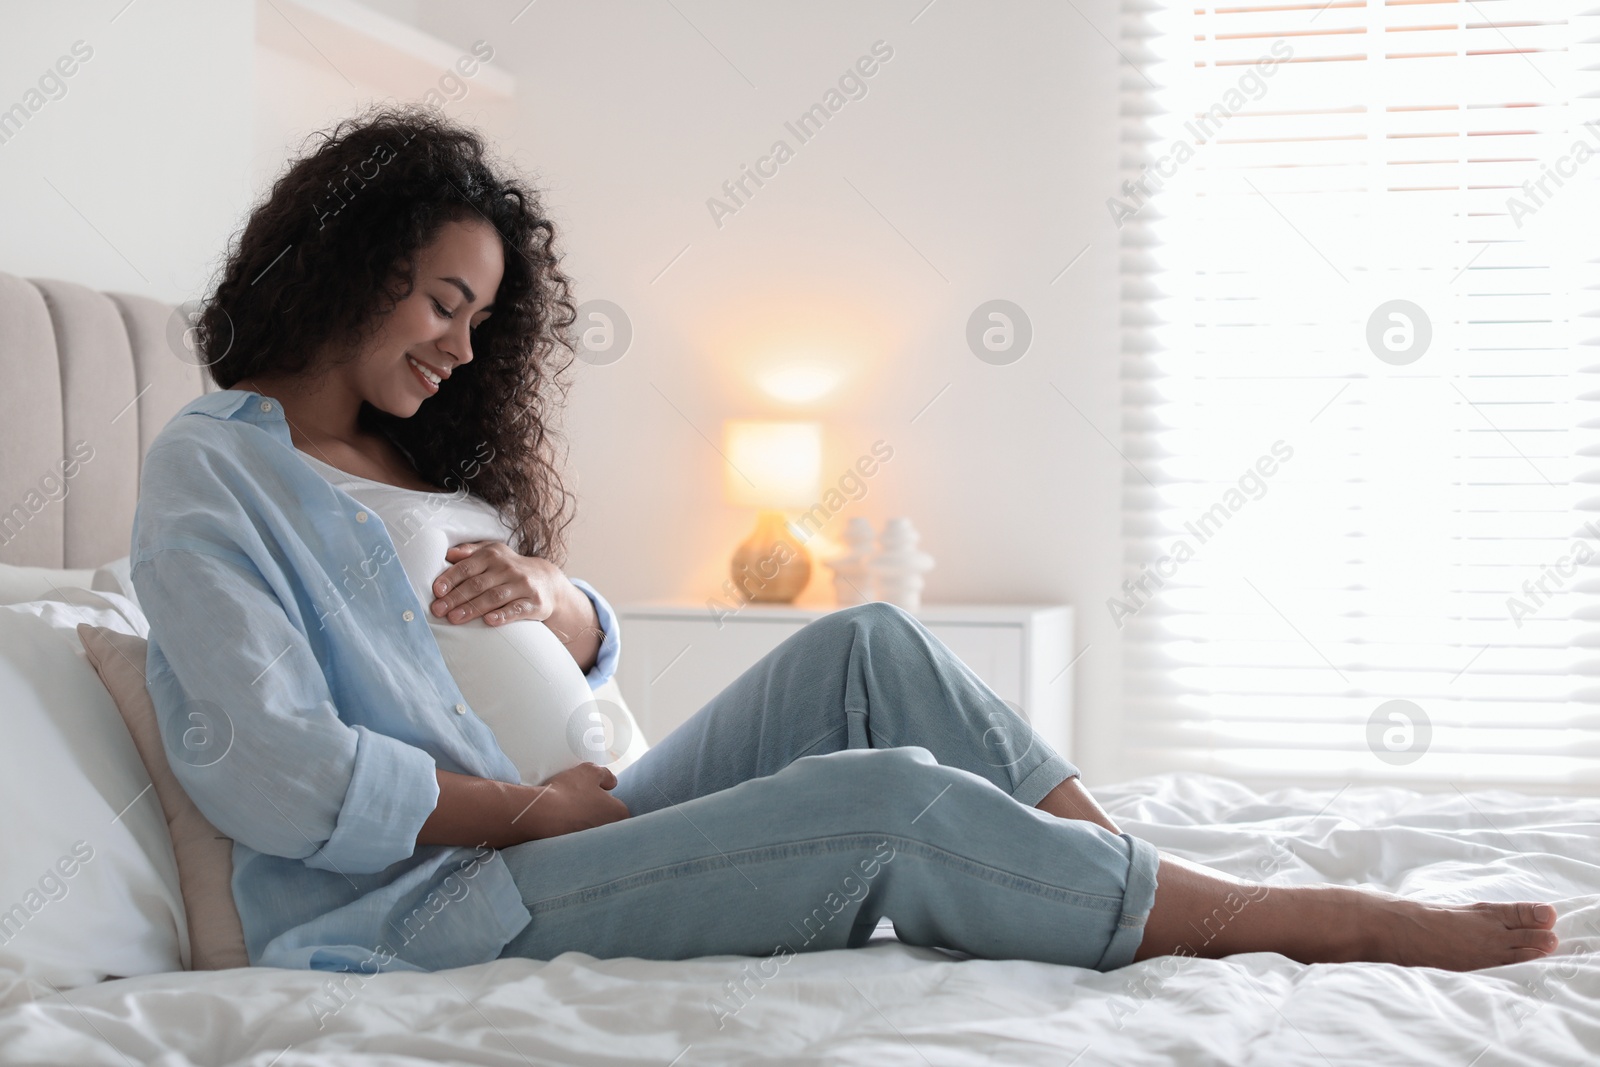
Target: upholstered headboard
[{"x": 89, "y": 379}]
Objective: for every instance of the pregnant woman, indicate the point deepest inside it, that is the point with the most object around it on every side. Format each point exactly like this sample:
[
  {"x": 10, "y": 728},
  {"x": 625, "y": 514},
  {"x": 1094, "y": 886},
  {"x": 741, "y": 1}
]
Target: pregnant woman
[{"x": 367, "y": 660}]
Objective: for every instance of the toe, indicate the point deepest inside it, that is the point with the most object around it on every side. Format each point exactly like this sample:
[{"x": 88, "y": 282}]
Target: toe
[
  {"x": 1525, "y": 955},
  {"x": 1542, "y": 941},
  {"x": 1531, "y": 916}
]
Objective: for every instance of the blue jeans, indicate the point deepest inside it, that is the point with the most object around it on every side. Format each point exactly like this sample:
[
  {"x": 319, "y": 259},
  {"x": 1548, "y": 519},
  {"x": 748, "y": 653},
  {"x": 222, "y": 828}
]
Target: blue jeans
[{"x": 858, "y": 770}]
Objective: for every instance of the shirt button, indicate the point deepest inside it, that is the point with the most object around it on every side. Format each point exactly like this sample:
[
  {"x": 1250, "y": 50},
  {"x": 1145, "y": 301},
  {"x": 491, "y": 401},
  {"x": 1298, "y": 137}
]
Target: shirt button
[
  {"x": 361, "y": 516},
  {"x": 408, "y": 615},
  {"x": 266, "y": 405},
  {"x": 461, "y": 709}
]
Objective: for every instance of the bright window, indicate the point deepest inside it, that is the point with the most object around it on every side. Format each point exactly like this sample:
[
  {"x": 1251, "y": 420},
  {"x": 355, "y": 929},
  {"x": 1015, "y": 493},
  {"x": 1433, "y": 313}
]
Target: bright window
[{"x": 1361, "y": 374}]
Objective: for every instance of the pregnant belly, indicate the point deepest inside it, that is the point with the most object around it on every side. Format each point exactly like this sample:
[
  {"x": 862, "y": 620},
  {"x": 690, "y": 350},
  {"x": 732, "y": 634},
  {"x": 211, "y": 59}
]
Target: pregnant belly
[{"x": 524, "y": 684}]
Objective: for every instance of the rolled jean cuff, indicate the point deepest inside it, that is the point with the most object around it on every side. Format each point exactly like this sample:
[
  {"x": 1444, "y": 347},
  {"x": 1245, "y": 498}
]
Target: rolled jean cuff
[
  {"x": 1137, "y": 899},
  {"x": 1042, "y": 779}
]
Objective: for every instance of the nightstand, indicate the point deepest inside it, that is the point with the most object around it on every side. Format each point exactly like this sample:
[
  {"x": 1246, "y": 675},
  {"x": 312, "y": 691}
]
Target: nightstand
[{"x": 675, "y": 657}]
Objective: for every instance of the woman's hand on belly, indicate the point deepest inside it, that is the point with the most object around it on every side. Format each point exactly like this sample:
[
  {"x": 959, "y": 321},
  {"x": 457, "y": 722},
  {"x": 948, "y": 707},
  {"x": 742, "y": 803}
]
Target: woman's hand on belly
[{"x": 489, "y": 579}]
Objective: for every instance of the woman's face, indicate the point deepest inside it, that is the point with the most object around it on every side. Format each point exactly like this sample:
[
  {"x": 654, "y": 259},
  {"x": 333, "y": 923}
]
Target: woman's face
[{"x": 429, "y": 332}]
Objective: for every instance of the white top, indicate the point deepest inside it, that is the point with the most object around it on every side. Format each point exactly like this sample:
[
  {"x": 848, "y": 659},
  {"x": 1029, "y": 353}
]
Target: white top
[{"x": 517, "y": 677}]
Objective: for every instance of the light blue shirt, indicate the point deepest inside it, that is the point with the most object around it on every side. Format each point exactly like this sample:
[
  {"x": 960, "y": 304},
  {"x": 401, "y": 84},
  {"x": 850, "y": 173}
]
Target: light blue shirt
[{"x": 305, "y": 712}]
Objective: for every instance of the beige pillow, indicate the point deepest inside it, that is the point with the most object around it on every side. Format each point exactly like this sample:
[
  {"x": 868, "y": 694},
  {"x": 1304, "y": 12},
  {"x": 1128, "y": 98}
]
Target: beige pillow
[{"x": 205, "y": 856}]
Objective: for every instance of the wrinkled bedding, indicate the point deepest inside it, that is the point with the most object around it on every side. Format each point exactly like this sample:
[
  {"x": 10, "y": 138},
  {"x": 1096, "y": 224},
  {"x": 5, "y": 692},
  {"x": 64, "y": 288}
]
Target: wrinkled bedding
[{"x": 890, "y": 1003}]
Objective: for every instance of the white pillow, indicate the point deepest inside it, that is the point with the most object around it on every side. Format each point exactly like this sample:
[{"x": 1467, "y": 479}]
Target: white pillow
[
  {"x": 33, "y": 583},
  {"x": 63, "y": 612},
  {"x": 116, "y": 577},
  {"x": 88, "y": 881}
]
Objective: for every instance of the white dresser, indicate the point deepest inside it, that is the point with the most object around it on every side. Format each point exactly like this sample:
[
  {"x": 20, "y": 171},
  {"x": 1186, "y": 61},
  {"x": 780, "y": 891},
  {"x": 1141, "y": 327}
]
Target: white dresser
[{"x": 675, "y": 656}]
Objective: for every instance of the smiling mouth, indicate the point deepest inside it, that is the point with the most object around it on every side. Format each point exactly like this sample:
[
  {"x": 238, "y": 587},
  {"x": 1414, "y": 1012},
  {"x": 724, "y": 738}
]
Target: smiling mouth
[{"x": 429, "y": 377}]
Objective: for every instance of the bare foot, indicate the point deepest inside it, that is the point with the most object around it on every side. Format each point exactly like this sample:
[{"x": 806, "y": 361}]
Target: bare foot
[
  {"x": 1455, "y": 937},
  {"x": 1200, "y": 912}
]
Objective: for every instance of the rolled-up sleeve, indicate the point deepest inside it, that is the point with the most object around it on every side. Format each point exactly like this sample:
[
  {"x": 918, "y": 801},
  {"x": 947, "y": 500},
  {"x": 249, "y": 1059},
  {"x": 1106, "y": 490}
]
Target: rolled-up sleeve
[
  {"x": 250, "y": 727},
  {"x": 605, "y": 663}
]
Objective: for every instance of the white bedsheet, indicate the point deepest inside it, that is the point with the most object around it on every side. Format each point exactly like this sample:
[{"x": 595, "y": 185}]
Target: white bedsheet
[{"x": 890, "y": 1003}]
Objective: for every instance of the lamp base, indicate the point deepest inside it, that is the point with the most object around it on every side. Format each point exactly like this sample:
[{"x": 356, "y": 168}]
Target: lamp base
[{"x": 771, "y": 567}]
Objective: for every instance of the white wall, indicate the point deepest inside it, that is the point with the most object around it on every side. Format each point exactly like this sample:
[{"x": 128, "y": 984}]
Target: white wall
[
  {"x": 145, "y": 150},
  {"x": 980, "y": 161},
  {"x": 319, "y": 61}
]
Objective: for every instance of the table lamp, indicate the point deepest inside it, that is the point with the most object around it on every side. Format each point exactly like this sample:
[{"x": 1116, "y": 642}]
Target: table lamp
[{"x": 773, "y": 467}]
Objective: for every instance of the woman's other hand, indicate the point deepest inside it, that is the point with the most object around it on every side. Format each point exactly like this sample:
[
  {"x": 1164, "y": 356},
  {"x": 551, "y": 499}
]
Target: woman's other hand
[
  {"x": 475, "y": 811},
  {"x": 577, "y": 798}
]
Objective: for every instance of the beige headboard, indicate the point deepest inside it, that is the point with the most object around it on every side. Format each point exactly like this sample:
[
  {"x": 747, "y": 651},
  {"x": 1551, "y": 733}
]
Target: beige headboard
[{"x": 85, "y": 374}]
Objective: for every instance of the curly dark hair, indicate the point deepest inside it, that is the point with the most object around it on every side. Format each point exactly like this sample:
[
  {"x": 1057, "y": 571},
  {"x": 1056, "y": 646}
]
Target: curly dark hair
[{"x": 330, "y": 251}]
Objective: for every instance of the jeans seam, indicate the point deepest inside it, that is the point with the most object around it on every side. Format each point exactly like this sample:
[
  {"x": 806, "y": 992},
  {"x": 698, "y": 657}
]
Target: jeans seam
[
  {"x": 830, "y": 843},
  {"x": 877, "y": 737}
]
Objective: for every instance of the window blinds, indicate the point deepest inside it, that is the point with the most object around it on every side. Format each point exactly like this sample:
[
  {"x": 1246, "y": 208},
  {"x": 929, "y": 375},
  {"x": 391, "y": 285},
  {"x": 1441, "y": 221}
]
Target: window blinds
[{"x": 1361, "y": 340}]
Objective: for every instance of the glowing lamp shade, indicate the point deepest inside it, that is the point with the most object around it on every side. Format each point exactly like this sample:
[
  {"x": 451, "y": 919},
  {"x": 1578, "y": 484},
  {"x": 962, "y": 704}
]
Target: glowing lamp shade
[{"x": 772, "y": 465}]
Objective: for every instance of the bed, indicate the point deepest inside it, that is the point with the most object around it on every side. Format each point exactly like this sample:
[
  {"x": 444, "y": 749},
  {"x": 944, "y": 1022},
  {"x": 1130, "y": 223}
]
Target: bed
[{"x": 107, "y": 368}]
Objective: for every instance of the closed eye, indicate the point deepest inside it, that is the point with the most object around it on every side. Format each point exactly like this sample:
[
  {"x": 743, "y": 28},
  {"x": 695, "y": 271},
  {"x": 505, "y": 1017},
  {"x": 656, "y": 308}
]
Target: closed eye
[{"x": 440, "y": 309}]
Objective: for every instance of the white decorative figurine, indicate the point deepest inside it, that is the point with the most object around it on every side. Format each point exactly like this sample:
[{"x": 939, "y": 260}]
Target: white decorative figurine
[
  {"x": 897, "y": 571},
  {"x": 852, "y": 578}
]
